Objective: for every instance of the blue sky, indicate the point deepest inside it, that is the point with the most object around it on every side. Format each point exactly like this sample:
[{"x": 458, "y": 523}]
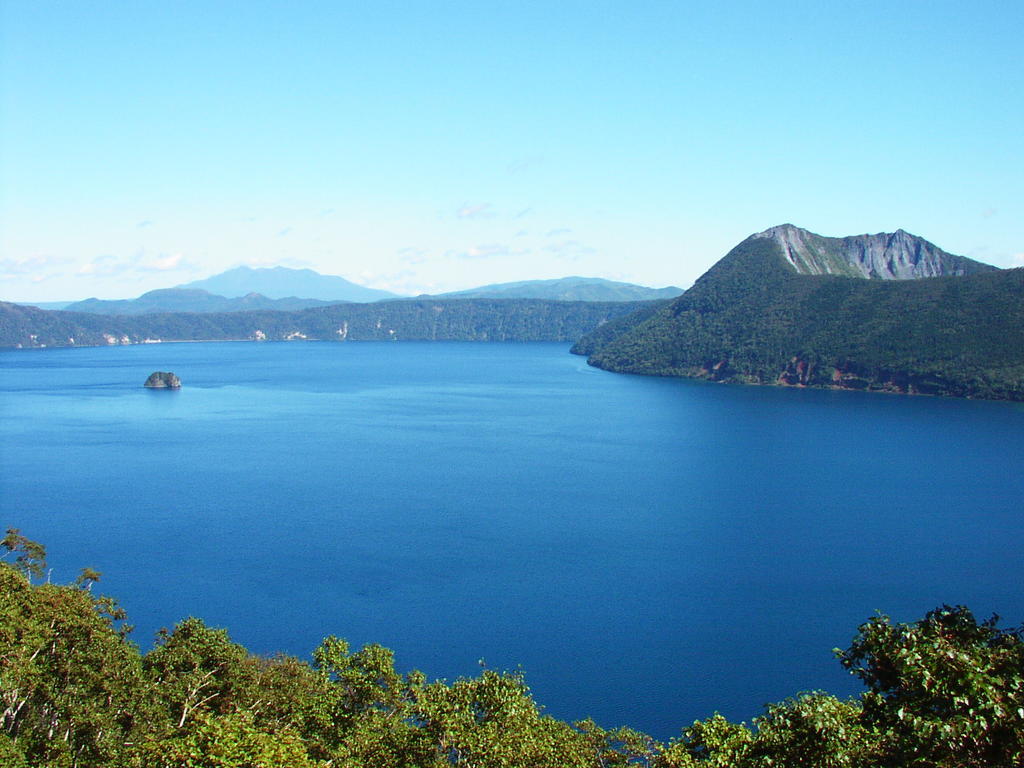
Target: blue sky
[{"x": 422, "y": 147}]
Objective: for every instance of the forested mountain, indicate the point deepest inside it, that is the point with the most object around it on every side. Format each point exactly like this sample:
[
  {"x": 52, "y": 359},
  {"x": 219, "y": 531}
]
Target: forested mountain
[
  {"x": 567, "y": 289},
  {"x": 283, "y": 282},
  {"x": 190, "y": 300},
  {"x": 405, "y": 320},
  {"x": 77, "y": 693},
  {"x": 768, "y": 313}
]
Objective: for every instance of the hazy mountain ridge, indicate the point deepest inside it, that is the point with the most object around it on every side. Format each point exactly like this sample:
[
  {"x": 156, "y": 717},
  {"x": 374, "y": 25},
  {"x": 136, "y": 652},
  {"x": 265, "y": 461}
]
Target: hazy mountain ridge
[
  {"x": 754, "y": 318},
  {"x": 245, "y": 288},
  {"x": 284, "y": 282},
  {"x": 567, "y": 289}
]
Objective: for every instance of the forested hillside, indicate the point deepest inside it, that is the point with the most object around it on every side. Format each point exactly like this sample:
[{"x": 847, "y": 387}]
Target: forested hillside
[
  {"x": 76, "y": 692},
  {"x": 191, "y": 300},
  {"x": 567, "y": 289},
  {"x": 753, "y": 318},
  {"x": 402, "y": 320}
]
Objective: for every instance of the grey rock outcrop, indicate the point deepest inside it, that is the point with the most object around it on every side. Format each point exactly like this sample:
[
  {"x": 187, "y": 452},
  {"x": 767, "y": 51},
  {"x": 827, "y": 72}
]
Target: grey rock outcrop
[
  {"x": 163, "y": 380},
  {"x": 897, "y": 255}
]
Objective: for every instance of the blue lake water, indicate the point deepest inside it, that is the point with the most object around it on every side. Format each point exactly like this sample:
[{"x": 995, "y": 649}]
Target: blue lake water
[{"x": 648, "y": 550}]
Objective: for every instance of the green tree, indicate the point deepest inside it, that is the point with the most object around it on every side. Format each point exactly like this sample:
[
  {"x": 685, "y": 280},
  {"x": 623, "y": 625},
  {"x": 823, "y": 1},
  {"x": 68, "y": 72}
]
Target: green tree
[
  {"x": 813, "y": 729},
  {"x": 712, "y": 743},
  {"x": 31, "y": 556},
  {"x": 371, "y": 707},
  {"x": 943, "y": 691},
  {"x": 288, "y": 693},
  {"x": 197, "y": 669},
  {"x": 71, "y": 685},
  {"x": 491, "y": 721},
  {"x": 230, "y": 740}
]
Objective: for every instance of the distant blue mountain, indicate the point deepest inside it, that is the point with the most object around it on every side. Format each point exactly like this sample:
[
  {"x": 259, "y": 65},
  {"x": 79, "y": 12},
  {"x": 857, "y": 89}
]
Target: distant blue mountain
[
  {"x": 567, "y": 289},
  {"x": 282, "y": 283},
  {"x": 289, "y": 290}
]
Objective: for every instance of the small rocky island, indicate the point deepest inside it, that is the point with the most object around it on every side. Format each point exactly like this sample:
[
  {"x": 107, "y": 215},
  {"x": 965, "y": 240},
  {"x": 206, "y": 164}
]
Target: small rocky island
[{"x": 163, "y": 380}]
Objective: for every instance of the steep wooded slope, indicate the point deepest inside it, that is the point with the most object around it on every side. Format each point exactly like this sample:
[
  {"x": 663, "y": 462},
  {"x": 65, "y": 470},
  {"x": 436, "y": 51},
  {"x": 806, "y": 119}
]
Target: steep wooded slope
[{"x": 755, "y": 318}]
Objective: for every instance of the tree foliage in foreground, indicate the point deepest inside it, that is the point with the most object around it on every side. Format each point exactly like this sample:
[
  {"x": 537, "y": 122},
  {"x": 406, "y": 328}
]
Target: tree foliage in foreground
[{"x": 947, "y": 690}]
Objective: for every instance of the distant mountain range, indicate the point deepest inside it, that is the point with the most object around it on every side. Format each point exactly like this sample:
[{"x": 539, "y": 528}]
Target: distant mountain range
[
  {"x": 283, "y": 283},
  {"x": 787, "y": 306},
  {"x": 567, "y": 289},
  {"x": 280, "y": 288}
]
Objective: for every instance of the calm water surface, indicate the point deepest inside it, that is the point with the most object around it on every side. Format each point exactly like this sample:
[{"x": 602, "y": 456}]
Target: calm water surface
[{"x": 648, "y": 550}]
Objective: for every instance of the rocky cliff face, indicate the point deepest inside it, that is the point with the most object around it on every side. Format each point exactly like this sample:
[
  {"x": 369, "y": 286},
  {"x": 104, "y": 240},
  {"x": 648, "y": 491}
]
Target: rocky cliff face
[
  {"x": 885, "y": 256},
  {"x": 163, "y": 380}
]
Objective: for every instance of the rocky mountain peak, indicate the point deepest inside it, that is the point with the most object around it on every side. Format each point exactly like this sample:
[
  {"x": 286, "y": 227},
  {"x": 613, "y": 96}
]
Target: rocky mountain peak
[{"x": 897, "y": 255}]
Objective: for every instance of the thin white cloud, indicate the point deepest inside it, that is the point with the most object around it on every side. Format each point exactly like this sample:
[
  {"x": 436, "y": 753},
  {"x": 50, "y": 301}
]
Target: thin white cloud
[
  {"x": 286, "y": 261},
  {"x": 404, "y": 282},
  {"x": 556, "y": 232},
  {"x": 173, "y": 262},
  {"x": 569, "y": 249},
  {"x": 486, "y": 251},
  {"x": 109, "y": 265},
  {"x": 284, "y": 232},
  {"x": 412, "y": 256},
  {"x": 145, "y": 223},
  {"x": 524, "y": 163},
  {"x": 475, "y": 211},
  {"x": 31, "y": 266},
  {"x": 1017, "y": 260}
]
